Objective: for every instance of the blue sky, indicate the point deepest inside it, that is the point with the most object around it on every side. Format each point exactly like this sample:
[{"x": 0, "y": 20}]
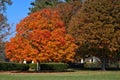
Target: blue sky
[{"x": 17, "y": 11}]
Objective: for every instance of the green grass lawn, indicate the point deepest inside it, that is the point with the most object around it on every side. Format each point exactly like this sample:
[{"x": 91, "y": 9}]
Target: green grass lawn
[{"x": 79, "y": 75}]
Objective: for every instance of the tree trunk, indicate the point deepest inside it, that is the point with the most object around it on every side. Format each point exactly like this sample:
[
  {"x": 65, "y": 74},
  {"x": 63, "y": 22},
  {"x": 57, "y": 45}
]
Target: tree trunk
[
  {"x": 38, "y": 66},
  {"x": 103, "y": 66},
  {"x": 103, "y": 59},
  {"x": 118, "y": 56}
]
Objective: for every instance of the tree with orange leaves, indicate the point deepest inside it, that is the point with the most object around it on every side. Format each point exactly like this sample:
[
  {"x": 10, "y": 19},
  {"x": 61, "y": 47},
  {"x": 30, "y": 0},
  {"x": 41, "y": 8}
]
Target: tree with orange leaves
[{"x": 41, "y": 37}]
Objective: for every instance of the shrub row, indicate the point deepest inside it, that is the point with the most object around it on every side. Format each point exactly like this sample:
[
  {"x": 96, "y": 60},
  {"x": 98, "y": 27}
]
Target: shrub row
[
  {"x": 76, "y": 65},
  {"x": 13, "y": 66},
  {"x": 25, "y": 67},
  {"x": 50, "y": 66},
  {"x": 93, "y": 66},
  {"x": 54, "y": 66},
  {"x": 57, "y": 67}
]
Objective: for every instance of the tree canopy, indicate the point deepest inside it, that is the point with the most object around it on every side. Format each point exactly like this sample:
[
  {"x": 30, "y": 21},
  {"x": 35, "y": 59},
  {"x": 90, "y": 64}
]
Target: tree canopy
[
  {"x": 66, "y": 8},
  {"x": 41, "y": 37},
  {"x": 97, "y": 25}
]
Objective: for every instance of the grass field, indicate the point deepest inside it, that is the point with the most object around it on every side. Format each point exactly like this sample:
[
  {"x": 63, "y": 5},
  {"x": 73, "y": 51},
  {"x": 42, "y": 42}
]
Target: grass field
[{"x": 79, "y": 75}]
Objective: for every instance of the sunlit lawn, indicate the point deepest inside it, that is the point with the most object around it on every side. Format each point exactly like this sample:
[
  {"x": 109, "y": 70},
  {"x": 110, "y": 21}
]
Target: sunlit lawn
[{"x": 79, "y": 75}]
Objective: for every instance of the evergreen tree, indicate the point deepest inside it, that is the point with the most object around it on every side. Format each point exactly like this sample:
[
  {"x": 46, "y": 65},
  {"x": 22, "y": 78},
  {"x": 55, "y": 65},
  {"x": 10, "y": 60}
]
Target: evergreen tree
[{"x": 40, "y": 4}]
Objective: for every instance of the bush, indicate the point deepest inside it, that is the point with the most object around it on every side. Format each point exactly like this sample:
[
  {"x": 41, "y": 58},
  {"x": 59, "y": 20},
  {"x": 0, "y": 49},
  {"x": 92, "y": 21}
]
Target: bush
[
  {"x": 54, "y": 66},
  {"x": 91, "y": 66},
  {"x": 76, "y": 65},
  {"x": 7, "y": 66},
  {"x": 113, "y": 66},
  {"x": 22, "y": 67},
  {"x": 33, "y": 67},
  {"x": 58, "y": 67},
  {"x": 13, "y": 66}
]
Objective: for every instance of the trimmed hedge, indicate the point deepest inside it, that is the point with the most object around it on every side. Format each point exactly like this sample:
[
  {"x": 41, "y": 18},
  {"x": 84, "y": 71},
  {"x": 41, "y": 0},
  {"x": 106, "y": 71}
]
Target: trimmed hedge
[
  {"x": 32, "y": 67},
  {"x": 57, "y": 67},
  {"x": 92, "y": 66},
  {"x": 22, "y": 67},
  {"x": 13, "y": 66},
  {"x": 76, "y": 65},
  {"x": 114, "y": 66},
  {"x": 54, "y": 66}
]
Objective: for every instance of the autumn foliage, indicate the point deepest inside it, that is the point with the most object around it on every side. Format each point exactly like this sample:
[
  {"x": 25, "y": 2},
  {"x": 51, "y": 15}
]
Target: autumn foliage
[{"x": 42, "y": 37}]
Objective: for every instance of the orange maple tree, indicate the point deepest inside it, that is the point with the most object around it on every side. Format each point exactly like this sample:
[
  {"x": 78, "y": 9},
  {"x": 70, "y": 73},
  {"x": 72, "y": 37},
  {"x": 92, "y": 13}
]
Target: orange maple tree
[{"x": 41, "y": 37}]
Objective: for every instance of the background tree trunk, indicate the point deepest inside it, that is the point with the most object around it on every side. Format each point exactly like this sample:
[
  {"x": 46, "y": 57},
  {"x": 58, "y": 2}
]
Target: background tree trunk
[{"x": 103, "y": 66}]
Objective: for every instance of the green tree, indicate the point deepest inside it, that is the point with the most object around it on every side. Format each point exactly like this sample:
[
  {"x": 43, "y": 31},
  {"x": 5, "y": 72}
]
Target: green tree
[
  {"x": 40, "y": 4},
  {"x": 97, "y": 25}
]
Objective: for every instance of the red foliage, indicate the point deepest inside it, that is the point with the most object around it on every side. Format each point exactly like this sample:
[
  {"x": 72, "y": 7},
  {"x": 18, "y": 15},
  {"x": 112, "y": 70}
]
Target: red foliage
[{"x": 41, "y": 37}]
